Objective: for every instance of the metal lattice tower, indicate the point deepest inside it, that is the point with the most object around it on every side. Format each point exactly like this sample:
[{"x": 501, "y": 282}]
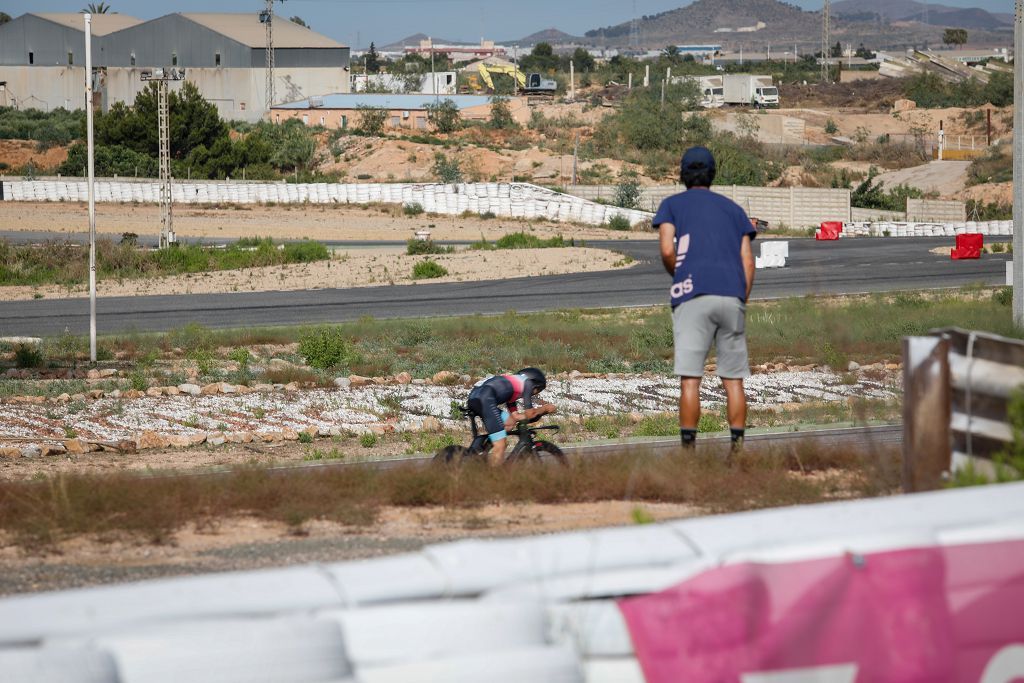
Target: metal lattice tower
[
  {"x": 267, "y": 19},
  {"x": 634, "y": 30},
  {"x": 826, "y": 40},
  {"x": 164, "y": 126}
]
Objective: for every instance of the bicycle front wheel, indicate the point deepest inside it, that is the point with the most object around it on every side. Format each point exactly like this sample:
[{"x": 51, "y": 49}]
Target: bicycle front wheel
[{"x": 546, "y": 453}]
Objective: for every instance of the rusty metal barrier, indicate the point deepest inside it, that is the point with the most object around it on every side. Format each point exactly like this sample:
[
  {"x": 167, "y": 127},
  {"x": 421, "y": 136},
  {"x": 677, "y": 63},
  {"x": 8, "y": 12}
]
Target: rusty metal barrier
[{"x": 957, "y": 388}]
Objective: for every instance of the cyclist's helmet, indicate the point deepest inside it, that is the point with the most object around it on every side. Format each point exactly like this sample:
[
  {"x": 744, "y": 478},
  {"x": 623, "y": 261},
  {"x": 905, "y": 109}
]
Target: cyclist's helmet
[{"x": 540, "y": 382}]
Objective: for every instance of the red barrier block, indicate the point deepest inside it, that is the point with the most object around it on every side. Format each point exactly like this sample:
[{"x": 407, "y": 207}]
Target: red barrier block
[
  {"x": 968, "y": 246},
  {"x": 828, "y": 231}
]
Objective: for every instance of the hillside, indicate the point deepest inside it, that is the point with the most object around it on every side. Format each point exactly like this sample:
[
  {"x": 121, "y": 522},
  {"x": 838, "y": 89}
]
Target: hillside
[
  {"x": 552, "y": 36},
  {"x": 414, "y": 40},
  {"x": 911, "y": 10},
  {"x": 756, "y": 23}
]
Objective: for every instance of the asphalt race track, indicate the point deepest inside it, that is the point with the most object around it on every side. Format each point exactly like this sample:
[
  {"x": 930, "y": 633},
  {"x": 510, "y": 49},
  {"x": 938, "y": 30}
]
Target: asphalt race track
[{"x": 843, "y": 267}]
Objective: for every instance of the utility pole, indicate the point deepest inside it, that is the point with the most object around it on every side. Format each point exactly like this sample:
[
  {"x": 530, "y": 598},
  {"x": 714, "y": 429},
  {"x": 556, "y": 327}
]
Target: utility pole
[
  {"x": 162, "y": 77},
  {"x": 267, "y": 19},
  {"x": 1018, "y": 165},
  {"x": 91, "y": 184},
  {"x": 826, "y": 39}
]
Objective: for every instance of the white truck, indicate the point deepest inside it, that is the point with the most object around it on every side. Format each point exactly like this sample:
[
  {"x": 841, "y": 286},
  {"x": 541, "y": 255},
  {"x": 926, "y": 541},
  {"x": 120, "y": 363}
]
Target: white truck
[
  {"x": 756, "y": 91},
  {"x": 712, "y": 94}
]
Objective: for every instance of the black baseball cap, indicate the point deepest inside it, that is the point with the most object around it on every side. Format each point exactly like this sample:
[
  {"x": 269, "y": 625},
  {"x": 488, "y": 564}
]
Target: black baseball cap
[{"x": 697, "y": 158}]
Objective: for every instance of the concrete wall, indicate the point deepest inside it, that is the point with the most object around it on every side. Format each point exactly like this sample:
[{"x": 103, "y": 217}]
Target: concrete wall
[
  {"x": 794, "y": 207},
  {"x": 935, "y": 210},
  {"x": 858, "y": 215},
  {"x": 43, "y": 87},
  {"x": 771, "y": 128}
]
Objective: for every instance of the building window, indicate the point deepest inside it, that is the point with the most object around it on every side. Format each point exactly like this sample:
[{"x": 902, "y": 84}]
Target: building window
[
  {"x": 305, "y": 119},
  {"x": 174, "y": 59},
  {"x": 421, "y": 122},
  {"x": 71, "y": 58},
  {"x": 133, "y": 59},
  {"x": 216, "y": 59},
  {"x": 396, "y": 122},
  {"x": 344, "y": 122},
  {"x": 243, "y": 106},
  {"x": 323, "y": 120},
  {"x": 31, "y": 57}
]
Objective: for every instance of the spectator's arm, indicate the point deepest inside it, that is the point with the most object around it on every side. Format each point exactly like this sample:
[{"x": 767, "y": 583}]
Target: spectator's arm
[
  {"x": 667, "y": 232},
  {"x": 749, "y": 265}
]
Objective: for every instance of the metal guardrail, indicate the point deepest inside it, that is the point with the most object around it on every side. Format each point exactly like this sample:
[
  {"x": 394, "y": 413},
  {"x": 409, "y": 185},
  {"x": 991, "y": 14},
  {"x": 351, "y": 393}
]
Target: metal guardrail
[{"x": 958, "y": 386}]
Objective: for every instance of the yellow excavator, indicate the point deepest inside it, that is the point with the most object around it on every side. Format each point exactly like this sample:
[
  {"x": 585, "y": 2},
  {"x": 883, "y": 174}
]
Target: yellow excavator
[{"x": 528, "y": 84}]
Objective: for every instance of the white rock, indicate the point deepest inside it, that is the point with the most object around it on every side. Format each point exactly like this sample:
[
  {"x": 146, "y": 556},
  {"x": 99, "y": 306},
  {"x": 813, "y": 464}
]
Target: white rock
[
  {"x": 342, "y": 382},
  {"x": 190, "y": 389},
  {"x": 854, "y": 365}
]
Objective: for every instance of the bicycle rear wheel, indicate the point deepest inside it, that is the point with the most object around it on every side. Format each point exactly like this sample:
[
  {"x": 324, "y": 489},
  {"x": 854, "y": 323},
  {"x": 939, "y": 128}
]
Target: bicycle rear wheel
[{"x": 451, "y": 455}]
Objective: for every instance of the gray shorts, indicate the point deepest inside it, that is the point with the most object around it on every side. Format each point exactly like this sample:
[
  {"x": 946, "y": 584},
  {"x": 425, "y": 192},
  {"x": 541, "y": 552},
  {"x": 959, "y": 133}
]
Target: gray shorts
[{"x": 698, "y": 322}]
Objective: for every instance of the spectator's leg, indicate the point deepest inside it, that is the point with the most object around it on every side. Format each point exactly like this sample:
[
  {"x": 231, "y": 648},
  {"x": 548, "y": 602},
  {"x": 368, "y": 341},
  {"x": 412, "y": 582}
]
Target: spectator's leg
[
  {"x": 689, "y": 409},
  {"x": 736, "y": 407}
]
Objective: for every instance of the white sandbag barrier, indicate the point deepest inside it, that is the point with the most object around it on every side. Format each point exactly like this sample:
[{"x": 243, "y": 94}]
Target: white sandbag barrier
[
  {"x": 894, "y": 229},
  {"x": 569, "y": 607},
  {"x": 507, "y": 200}
]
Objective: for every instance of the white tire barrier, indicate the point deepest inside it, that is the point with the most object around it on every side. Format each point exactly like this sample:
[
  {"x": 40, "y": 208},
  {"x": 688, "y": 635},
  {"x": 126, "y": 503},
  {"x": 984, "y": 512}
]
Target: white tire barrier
[{"x": 507, "y": 200}]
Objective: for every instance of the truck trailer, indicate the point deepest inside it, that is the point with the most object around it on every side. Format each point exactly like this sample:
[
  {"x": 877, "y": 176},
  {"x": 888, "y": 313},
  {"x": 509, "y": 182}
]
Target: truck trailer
[
  {"x": 712, "y": 94},
  {"x": 747, "y": 90}
]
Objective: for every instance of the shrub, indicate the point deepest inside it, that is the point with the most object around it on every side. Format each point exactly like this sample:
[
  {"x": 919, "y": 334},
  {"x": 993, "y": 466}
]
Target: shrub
[
  {"x": 831, "y": 128},
  {"x": 305, "y": 252},
  {"x": 28, "y": 356},
  {"x": 325, "y": 347},
  {"x": 412, "y": 209},
  {"x": 447, "y": 170},
  {"x": 1003, "y": 296},
  {"x": 305, "y": 437},
  {"x": 428, "y": 270},
  {"x": 368, "y": 440},
  {"x": 190, "y": 338},
  {"x": 619, "y": 222},
  {"x": 415, "y": 247},
  {"x": 627, "y": 192}
]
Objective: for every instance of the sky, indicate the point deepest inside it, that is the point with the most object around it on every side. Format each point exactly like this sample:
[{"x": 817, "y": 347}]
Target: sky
[{"x": 357, "y": 22}]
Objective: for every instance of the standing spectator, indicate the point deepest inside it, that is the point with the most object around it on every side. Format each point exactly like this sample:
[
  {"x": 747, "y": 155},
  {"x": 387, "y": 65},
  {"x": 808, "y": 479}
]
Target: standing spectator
[{"x": 705, "y": 247}]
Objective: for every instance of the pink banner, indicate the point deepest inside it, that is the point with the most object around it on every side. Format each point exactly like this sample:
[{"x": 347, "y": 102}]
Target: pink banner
[{"x": 933, "y": 614}]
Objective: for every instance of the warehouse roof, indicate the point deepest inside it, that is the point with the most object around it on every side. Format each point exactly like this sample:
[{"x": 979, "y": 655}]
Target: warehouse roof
[
  {"x": 247, "y": 29},
  {"x": 102, "y": 24},
  {"x": 391, "y": 102}
]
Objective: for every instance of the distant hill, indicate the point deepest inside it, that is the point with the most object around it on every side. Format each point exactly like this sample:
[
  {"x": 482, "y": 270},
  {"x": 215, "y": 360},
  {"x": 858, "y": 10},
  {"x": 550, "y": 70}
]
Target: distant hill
[
  {"x": 414, "y": 40},
  {"x": 550, "y": 35},
  {"x": 932, "y": 14},
  {"x": 719, "y": 20}
]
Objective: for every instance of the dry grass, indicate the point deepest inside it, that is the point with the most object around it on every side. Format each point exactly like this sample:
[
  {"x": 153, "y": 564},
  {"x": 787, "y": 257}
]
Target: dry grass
[{"x": 38, "y": 514}]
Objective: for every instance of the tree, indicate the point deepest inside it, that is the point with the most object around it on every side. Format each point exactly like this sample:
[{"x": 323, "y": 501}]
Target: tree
[
  {"x": 583, "y": 60},
  {"x": 94, "y": 8},
  {"x": 372, "y": 60},
  {"x": 4, "y": 18},
  {"x": 445, "y": 116},
  {"x": 627, "y": 192},
  {"x": 671, "y": 54},
  {"x": 954, "y": 36},
  {"x": 501, "y": 114},
  {"x": 837, "y": 50},
  {"x": 447, "y": 171},
  {"x": 371, "y": 121},
  {"x": 542, "y": 58},
  {"x": 299, "y": 21}
]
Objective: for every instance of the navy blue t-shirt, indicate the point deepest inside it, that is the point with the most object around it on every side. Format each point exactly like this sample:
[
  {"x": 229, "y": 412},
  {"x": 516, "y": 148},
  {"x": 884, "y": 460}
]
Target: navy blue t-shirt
[{"x": 709, "y": 235}]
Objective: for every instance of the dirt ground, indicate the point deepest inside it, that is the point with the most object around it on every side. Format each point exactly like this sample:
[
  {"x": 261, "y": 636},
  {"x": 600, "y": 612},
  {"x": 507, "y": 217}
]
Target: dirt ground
[
  {"x": 943, "y": 177},
  {"x": 358, "y": 268},
  {"x": 249, "y": 543},
  {"x": 315, "y": 222},
  {"x": 19, "y": 153}
]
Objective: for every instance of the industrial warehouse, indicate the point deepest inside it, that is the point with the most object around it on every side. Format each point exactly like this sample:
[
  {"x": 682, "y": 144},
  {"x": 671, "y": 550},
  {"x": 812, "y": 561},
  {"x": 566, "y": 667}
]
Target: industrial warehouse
[{"x": 42, "y": 60}]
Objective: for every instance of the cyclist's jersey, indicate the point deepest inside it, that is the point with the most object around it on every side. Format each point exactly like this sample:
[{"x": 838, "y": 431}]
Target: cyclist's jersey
[{"x": 510, "y": 388}]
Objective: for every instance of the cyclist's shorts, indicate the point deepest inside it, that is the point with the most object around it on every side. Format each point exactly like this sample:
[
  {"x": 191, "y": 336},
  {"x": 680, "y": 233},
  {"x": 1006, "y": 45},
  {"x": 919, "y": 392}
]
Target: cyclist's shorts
[{"x": 483, "y": 401}]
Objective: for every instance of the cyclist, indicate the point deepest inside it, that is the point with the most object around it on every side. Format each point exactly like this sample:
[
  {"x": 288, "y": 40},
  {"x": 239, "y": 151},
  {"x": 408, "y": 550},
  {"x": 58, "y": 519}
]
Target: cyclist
[{"x": 491, "y": 393}]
